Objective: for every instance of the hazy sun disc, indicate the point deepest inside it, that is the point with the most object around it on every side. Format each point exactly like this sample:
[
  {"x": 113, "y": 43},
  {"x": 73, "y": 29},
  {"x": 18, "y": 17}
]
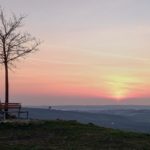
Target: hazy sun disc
[{"x": 120, "y": 85}]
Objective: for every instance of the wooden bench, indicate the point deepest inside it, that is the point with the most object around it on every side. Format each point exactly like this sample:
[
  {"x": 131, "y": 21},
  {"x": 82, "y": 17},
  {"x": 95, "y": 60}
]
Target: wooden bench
[{"x": 13, "y": 108}]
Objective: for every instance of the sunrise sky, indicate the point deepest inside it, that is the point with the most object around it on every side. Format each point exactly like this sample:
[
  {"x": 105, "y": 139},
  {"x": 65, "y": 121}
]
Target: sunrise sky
[{"x": 94, "y": 52}]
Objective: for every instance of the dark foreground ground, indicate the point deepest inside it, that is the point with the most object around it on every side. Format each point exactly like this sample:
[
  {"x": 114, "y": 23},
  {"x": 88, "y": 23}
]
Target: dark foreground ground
[{"x": 68, "y": 135}]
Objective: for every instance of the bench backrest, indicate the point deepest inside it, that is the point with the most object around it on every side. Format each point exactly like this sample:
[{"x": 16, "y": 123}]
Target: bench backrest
[{"x": 10, "y": 106}]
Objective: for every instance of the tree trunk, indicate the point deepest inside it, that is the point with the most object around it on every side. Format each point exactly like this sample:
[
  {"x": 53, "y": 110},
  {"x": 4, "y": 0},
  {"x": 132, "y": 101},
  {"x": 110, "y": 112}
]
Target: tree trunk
[{"x": 6, "y": 89}]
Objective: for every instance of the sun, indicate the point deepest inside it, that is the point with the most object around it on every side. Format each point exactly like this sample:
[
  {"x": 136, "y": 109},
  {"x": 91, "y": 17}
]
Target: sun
[{"x": 120, "y": 85}]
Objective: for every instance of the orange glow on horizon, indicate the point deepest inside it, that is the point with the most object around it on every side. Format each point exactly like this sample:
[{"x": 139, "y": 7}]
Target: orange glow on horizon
[{"x": 120, "y": 86}]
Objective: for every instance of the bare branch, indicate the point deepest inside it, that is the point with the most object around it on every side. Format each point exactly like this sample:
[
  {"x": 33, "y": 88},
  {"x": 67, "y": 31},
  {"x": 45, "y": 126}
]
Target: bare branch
[
  {"x": 14, "y": 44},
  {"x": 14, "y": 24},
  {"x": 24, "y": 52},
  {"x": 3, "y": 21}
]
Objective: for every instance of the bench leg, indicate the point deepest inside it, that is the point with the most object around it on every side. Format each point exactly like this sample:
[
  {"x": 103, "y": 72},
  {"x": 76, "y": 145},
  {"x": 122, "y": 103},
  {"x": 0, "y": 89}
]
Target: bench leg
[
  {"x": 4, "y": 115},
  {"x": 19, "y": 115},
  {"x": 27, "y": 115}
]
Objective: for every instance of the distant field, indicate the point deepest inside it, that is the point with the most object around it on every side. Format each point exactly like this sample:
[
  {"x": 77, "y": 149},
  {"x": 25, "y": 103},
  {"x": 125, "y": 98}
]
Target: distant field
[{"x": 68, "y": 135}]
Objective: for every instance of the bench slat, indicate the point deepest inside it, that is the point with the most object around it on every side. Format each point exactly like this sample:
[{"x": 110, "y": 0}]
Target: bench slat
[{"x": 10, "y": 106}]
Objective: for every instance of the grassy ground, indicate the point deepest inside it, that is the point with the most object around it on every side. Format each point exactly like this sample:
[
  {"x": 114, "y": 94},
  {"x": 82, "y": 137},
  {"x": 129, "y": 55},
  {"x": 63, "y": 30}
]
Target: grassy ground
[{"x": 67, "y": 135}]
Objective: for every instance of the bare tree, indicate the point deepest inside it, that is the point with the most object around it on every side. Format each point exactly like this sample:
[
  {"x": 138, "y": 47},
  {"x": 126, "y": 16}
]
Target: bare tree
[{"x": 13, "y": 44}]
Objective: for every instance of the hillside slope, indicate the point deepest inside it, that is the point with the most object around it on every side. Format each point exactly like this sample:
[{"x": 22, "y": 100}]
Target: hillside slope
[
  {"x": 68, "y": 135},
  {"x": 128, "y": 122}
]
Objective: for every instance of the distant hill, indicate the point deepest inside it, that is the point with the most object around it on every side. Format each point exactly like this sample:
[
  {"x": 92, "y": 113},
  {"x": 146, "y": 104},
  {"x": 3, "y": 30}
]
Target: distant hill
[
  {"x": 67, "y": 135},
  {"x": 128, "y": 119}
]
